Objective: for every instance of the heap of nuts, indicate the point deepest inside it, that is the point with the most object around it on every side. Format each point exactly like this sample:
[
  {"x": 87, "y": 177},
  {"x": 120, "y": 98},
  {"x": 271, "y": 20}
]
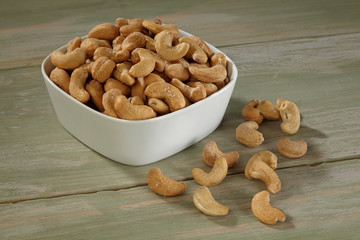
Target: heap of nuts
[
  {"x": 259, "y": 166},
  {"x": 138, "y": 69}
]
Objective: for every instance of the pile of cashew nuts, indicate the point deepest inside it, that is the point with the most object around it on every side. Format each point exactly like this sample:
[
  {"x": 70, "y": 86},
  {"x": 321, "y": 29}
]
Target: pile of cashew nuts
[
  {"x": 138, "y": 69},
  {"x": 260, "y": 166}
]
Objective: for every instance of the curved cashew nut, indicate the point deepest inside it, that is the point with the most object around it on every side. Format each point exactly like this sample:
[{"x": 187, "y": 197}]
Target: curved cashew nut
[
  {"x": 69, "y": 60},
  {"x": 77, "y": 85},
  {"x": 126, "y": 30},
  {"x": 114, "y": 83},
  {"x": 260, "y": 166},
  {"x": 159, "y": 62},
  {"x": 247, "y": 134},
  {"x": 262, "y": 209},
  {"x": 214, "y": 177},
  {"x": 163, "y": 185},
  {"x": 61, "y": 78},
  {"x": 73, "y": 44},
  {"x": 292, "y": 149},
  {"x": 121, "y": 73},
  {"x": 163, "y": 46},
  {"x": 195, "y": 52},
  {"x": 145, "y": 66},
  {"x": 96, "y": 91},
  {"x": 215, "y": 73},
  {"x": 290, "y": 115},
  {"x": 150, "y": 43},
  {"x": 125, "y": 110},
  {"x": 134, "y": 40},
  {"x": 102, "y": 69},
  {"x": 203, "y": 45},
  {"x": 157, "y": 28},
  {"x": 209, "y": 87},
  {"x": 194, "y": 94},
  {"x": 116, "y": 56},
  {"x": 159, "y": 106},
  {"x": 211, "y": 152},
  {"x": 204, "y": 201},
  {"x": 136, "y": 100},
  {"x": 140, "y": 85},
  {"x": 91, "y": 44},
  {"x": 117, "y": 43},
  {"x": 251, "y": 112},
  {"x": 169, "y": 93},
  {"x": 108, "y": 101},
  {"x": 106, "y": 31},
  {"x": 178, "y": 69},
  {"x": 218, "y": 59},
  {"x": 268, "y": 110}
]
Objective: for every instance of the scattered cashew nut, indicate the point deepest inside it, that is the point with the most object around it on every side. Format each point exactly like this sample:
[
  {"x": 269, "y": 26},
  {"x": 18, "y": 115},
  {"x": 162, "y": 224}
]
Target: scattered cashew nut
[
  {"x": 163, "y": 185},
  {"x": 268, "y": 110},
  {"x": 290, "y": 115},
  {"x": 292, "y": 149},
  {"x": 247, "y": 134},
  {"x": 211, "y": 152},
  {"x": 251, "y": 112},
  {"x": 214, "y": 177},
  {"x": 262, "y": 209},
  {"x": 204, "y": 201}
]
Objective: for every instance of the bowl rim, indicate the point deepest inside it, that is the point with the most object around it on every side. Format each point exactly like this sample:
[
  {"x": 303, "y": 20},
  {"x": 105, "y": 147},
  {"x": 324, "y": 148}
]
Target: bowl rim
[{"x": 232, "y": 81}]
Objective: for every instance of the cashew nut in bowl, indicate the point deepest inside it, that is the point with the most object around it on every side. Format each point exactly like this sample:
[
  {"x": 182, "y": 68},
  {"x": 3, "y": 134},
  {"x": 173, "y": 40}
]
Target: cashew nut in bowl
[
  {"x": 89, "y": 45},
  {"x": 157, "y": 28},
  {"x": 215, "y": 73},
  {"x": 116, "y": 56},
  {"x": 195, "y": 52},
  {"x": 134, "y": 40},
  {"x": 61, "y": 78},
  {"x": 121, "y": 73},
  {"x": 114, "y": 83},
  {"x": 262, "y": 209},
  {"x": 290, "y": 115},
  {"x": 211, "y": 152},
  {"x": 73, "y": 44},
  {"x": 251, "y": 112},
  {"x": 268, "y": 110},
  {"x": 209, "y": 87},
  {"x": 125, "y": 110},
  {"x": 218, "y": 58},
  {"x": 117, "y": 43},
  {"x": 159, "y": 62},
  {"x": 177, "y": 70},
  {"x": 203, "y": 45},
  {"x": 214, "y": 177},
  {"x": 145, "y": 66},
  {"x": 164, "y": 48},
  {"x": 292, "y": 149},
  {"x": 102, "y": 69},
  {"x": 247, "y": 134},
  {"x": 69, "y": 60},
  {"x": 204, "y": 201},
  {"x": 163, "y": 185},
  {"x": 194, "y": 94},
  {"x": 96, "y": 91},
  {"x": 140, "y": 85},
  {"x": 77, "y": 85},
  {"x": 259, "y": 167},
  {"x": 159, "y": 106},
  {"x": 108, "y": 101},
  {"x": 105, "y": 31}
]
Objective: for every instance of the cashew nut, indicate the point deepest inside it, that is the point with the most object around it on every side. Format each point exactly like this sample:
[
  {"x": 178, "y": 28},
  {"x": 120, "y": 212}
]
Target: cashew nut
[
  {"x": 159, "y": 106},
  {"x": 108, "y": 101},
  {"x": 290, "y": 115},
  {"x": 211, "y": 152},
  {"x": 159, "y": 62},
  {"x": 102, "y": 69},
  {"x": 222, "y": 84},
  {"x": 140, "y": 85},
  {"x": 215, "y": 73},
  {"x": 121, "y": 22},
  {"x": 117, "y": 43},
  {"x": 126, "y": 30},
  {"x": 69, "y": 60},
  {"x": 150, "y": 43},
  {"x": 195, "y": 52},
  {"x": 125, "y": 110},
  {"x": 268, "y": 110},
  {"x": 194, "y": 94},
  {"x": 145, "y": 66},
  {"x": 209, "y": 87},
  {"x": 262, "y": 209},
  {"x": 251, "y": 112},
  {"x": 260, "y": 166},
  {"x": 163, "y": 46},
  {"x": 157, "y": 28},
  {"x": 91, "y": 44},
  {"x": 116, "y": 56},
  {"x": 61, "y": 78},
  {"x": 96, "y": 91},
  {"x": 292, "y": 149},
  {"x": 203, "y": 45},
  {"x": 215, "y": 176},
  {"x": 247, "y": 134},
  {"x": 169, "y": 93},
  {"x": 178, "y": 69},
  {"x": 121, "y": 73},
  {"x": 77, "y": 85},
  {"x": 114, "y": 83},
  {"x": 218, "y": 59},
  {"x": 136, "y": 100},
  {"x": 163, "y": 185},
  {"x": 73, "y": 44},
  {"x": 204, "y": 201},
  {"x": 106, "y": 31},
  {"x": 134, "y": 40}
]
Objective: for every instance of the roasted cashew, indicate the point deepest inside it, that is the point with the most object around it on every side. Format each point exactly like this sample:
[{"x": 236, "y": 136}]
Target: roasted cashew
[
  {"x": 204, "y": 201},
  {"x": 218, "y": 59},
  {"x": 262, "y": 209},
  {"x": 195, "y": 52},
  {"x": 134, "y": 40},
  {"x": 140, "y": 85},
  {"x": 211, "y": 152},
  {"x": 117, "y": 43},
  {"x": 121, "y": 22},
  {"x": 251, "y": 112},
  {"x": 169, "y": 93},
  {"x": 222, "y": 84},
  {"x": 159, "y": 62},
  {"x": 247, "y": 134},
  {"x": 194, "y": 94},
  {"x": 91, "y": 44},
  {"x": 61, "y": 78},
  {"x": 108, "y": 101},
  {"x": 116, "y": 56},
  {"x": 291, "y": 149},
  {"x": 114, "y": 83},
  {"x": 260, "y": 166},
  {"x": 73, "y": 44},
  {"x": 121, "y": 73},
  {"x": 290, "y": 115},
  {"x": 102, "y": 69},
  {"x": 215, "y": 73},
  {"x": 77, "y": 85},
  {"x": 268, "y": 110},
  {"x": 69, "y": 60},
  {"x": 164, "y": 48},
  {"x": 203, "y": 45},
  {"x": 157, "y": 28},
  {"x": 150, "y": 43},
  {"x": 125, "y": 110},
  {"x": 96, "y": 91},
  {"x": 178, "y": 69},
  {"x": 126, "y": 30},
  {"x": 159, "y": 106},
  {"x": 136, "y": 100},
  {"x": 145, "y": 66},
  {"x": 106, "y": 31},
  {"x": 209, "y": 87},
  {"x": 163, "y": 185},
  {"x": 215, "y": 176}
]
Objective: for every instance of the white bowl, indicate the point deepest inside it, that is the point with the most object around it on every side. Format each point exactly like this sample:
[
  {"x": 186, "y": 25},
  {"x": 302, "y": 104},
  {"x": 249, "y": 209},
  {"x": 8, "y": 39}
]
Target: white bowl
[{"x": 140, "y": 142}]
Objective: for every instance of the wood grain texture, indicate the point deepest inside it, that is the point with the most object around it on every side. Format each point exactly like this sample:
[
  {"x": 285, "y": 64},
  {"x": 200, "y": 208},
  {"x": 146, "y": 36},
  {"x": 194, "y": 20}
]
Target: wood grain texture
[{"x": 319, "y": 202}]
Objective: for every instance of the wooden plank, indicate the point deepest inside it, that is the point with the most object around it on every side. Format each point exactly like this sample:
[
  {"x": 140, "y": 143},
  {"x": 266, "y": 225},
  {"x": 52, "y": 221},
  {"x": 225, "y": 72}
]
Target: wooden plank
[
  {"x": 40, "y": 159},
  {"x": 29, "y": 31},
  {"x": 320, "y": 202}
]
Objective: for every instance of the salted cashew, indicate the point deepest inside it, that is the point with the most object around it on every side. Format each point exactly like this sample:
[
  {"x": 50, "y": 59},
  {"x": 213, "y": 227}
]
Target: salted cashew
[
  {"x": 121, "y": 73},
  {"x": 218, "y": 59},
  {"x": 121, "y": 22},
  {"x": 61, "y": 78},
  {"x": 117, "y": 43},
  {"x": 159, "y": 62},
  {"x": 178, "y": 69},
  {"x": 114, "y": 83},
  {"x": 68, "y": 60},
  {"x": 215, "y": 176},
  {"x": 150, "y": 43},
  {"x": 102, "y": 69},
  {"x": 73, "y": 44},
  {"x": 211, "y": 152},
  {"x": 91, "y": 44},
  {"x": 108, "y": 100},
  {"x": 251, "y": 112},
  {"x": 169, "y": 93},
  {"x": 292, "y": 149},
  {"x": 159, "y": 106},
  {"x": 140, "y": 85},
  {"x": 164, "y": 48},
  {"x": 96, "y": 91},
  {"x": 215, "y": 73},
  {"x": 134, "y": 40},
  {"x": 268, "y": 110},
  {"x": 195, "y": 52},
  {"x": 262, "y": 209},
  {"x": 209, "y": 87},
  {"x": 247, "y": 134},
  {"x": 157, "y": 28},
  {"x": 290, "y": 115},
  {"x": 87, "y": 65},
  {"x": 222, "y": 84},
  {"x": 126, "y": 30},
  {"x": 77, "y": 85},
  {"x": 204, "y": 201},
  {"x": 116, "y": 56},
  {"x": 125, "y": 110},
  {"x": 145, "y": 66},
  {"x": 203, "y": 45},
  {"x": 261, "y": 166},
  {"x": 194, "y": 94},
  {"x": 106, "y": 31},
  {"x": 136, "y": 100},
  {"x": 163, "y": 185}
]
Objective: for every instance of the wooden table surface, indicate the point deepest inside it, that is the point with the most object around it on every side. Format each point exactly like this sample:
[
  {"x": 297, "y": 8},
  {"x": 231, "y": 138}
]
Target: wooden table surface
[{"x": 54, "y": 187}]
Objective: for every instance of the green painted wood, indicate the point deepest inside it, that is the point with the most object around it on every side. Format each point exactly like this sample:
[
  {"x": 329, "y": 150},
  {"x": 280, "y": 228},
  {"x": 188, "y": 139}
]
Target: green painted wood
[
  {"x": 30, "y": 30},
  {"x": 320, "y": 202}
]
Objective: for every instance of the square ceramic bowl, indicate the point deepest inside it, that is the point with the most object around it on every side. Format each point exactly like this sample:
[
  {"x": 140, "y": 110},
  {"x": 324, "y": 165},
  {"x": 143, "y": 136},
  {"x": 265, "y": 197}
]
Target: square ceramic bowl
[{"x": 145, "y": 141}]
